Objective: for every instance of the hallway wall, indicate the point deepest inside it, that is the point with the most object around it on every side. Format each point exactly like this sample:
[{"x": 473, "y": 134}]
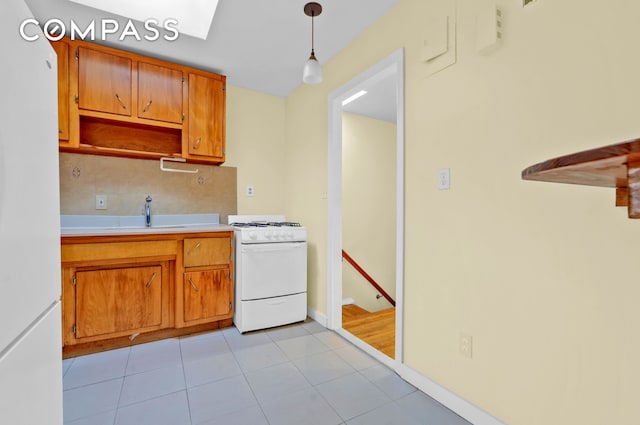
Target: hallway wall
[{"x": 540, "y": 274}]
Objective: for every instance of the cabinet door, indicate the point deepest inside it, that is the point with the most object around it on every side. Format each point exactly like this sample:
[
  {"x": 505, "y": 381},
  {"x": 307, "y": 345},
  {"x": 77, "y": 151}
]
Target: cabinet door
[
  {"x": 159, "y": 93},
  {"x": 208, "y": 295},
  {"x": 104, "y": 82},
  {"x": 118, "y": 300},
  {"x": 206, "y": 116},
  {"x": 62, "y": 50}
]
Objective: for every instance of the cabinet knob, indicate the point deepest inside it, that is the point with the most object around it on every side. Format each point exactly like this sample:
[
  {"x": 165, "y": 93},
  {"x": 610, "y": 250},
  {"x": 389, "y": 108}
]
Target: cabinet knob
[
  {"x": 195, "y": 288},
  {"x": 121, "y": 102},
  {"x": 146, "y": 107},
  {"x": 153, "y": 276},
  {"x": 190, "y": 252},
  {"x": 196, "y": 145}
]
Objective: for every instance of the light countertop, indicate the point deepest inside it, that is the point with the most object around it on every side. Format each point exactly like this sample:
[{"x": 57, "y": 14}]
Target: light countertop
[{"x": 101, "y": 225}]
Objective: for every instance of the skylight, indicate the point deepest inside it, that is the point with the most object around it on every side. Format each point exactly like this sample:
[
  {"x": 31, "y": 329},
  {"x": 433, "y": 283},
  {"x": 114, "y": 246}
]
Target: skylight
[{"x": 194, "y": 17}]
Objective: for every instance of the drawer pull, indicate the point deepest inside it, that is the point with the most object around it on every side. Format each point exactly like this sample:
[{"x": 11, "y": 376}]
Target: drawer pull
[
  {"x": 146, "y": 107},
  {"x": 190, "y": 252},
  {"x": 153, "y": 276},
  {"x": 196, "y": 145},
  {"x": 194, "y": 285},
  {"x": 121, "y": 102}
]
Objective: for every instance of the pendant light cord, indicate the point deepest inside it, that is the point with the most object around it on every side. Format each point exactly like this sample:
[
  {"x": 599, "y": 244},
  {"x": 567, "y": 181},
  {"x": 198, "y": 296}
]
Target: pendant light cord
[{"x": 312, "y": 32}]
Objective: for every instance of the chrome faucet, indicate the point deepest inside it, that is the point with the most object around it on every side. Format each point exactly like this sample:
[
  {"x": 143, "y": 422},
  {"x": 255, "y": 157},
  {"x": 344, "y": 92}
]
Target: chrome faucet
[{"x": 147, "y": 211}]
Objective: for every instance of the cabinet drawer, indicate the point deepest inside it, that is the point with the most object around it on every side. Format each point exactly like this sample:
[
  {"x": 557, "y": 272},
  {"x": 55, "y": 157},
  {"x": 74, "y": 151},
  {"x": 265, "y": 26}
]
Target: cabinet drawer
[
  {"x": 207, "y": 251},
  {"x": 117, "y": 250}
]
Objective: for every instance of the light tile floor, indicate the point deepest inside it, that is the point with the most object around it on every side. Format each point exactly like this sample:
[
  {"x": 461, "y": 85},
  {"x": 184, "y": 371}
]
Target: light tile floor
[{"x": 293, "y": 375}]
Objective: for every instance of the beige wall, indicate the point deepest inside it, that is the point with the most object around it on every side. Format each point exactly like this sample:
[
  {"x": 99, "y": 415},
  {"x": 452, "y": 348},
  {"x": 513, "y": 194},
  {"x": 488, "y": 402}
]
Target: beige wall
[
  {"x": 541, "y": 275},
  {"x": 127, "y": 182},
  {"x": 368, "y": 208},
  {"x": 255, "y": 145}
]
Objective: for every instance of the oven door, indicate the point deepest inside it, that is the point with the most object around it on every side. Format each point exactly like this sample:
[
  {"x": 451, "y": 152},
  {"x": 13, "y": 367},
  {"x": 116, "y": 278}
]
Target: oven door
[{"x": 271, "y": 270}]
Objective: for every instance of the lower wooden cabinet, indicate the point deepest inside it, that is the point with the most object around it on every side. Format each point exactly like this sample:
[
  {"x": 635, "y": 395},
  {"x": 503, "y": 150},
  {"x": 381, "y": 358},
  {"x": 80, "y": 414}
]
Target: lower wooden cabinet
[
  {"x": 207, "y": 288},
  {"x": 119, "y": 301},
  {"x": 207, "y": 295},
  {"x": 121, "y": 290}
]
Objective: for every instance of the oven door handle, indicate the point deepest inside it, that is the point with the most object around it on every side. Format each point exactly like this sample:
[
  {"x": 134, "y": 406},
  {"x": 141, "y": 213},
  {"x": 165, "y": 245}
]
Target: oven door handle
[{"x": 271, "y": 247}]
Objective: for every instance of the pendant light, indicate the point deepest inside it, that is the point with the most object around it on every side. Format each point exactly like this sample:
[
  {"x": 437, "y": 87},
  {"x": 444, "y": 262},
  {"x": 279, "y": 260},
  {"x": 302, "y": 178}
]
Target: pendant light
[{"x": 312, "y": 73}]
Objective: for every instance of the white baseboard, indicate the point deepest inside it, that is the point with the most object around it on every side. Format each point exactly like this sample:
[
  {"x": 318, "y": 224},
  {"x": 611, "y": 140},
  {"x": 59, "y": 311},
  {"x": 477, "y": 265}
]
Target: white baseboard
[
  {"x": 317, "y": 316},
  {"x": 452, "y": 401}
]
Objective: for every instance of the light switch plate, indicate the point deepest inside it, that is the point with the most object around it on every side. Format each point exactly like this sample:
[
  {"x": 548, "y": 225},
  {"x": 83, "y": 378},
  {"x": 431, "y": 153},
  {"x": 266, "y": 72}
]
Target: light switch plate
[
  {"x": 444, "y": 179},
  {"x": 466, "y": 345}
]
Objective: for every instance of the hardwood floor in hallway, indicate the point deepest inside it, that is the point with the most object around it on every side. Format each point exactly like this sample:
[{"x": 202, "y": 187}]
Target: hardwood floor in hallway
[{"x": 377, "y": 329}]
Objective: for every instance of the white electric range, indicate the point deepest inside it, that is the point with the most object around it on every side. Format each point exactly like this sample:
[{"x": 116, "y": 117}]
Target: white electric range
[{"x": 271, "y": 271}]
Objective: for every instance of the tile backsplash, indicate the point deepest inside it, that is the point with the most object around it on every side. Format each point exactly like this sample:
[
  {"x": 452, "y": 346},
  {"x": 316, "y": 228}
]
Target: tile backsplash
[{"x": 127, "y": 182}]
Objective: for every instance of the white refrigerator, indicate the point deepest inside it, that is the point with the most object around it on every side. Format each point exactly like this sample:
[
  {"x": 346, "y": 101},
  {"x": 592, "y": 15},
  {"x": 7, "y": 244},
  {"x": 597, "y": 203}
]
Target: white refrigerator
[{"x": 30, "y": 330}]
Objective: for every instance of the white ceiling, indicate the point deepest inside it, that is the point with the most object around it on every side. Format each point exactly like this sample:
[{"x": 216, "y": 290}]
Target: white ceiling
[{"x": 260, "y": 45}]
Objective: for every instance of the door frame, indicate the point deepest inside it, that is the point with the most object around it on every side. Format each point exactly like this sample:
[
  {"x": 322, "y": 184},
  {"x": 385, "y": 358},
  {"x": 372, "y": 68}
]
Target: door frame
[{"x": 394, "y": 63}]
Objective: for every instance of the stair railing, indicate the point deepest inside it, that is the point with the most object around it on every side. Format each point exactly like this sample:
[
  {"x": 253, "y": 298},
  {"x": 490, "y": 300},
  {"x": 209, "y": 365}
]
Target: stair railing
[{"x": 369, "y": 279}]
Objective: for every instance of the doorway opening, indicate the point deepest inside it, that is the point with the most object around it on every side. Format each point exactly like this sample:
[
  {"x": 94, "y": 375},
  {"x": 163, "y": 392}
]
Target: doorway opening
[{"x": 342, "y": 231}]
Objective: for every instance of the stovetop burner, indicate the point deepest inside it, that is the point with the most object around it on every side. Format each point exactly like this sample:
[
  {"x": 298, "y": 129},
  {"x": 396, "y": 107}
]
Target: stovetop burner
[
  {"x": 267, "y": 224},
  {"x": 284, "y": 224}
]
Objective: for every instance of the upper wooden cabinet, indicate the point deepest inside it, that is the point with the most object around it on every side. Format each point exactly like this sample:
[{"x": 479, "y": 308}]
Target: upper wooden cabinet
[
  {"x": 104, "y": 82},
  {"x": 159, "y": 93},
  {"x": 124, "y": 104},
  {"x": 62, "y": 51},
  {"x": 206, "y": 117}
]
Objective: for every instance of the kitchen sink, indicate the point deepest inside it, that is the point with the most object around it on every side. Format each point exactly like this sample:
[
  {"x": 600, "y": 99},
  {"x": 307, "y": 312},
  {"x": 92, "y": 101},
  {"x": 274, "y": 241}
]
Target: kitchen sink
[
  {"x": 136, "y": 223},
  {"x": 124, "y": 228}
]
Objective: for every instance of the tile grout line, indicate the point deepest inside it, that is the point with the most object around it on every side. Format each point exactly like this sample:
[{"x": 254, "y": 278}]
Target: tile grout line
[
  {"x": 184, "y": 379},
  {"x": 242, "y": 372},
  {"x": 331, "y": 349},
  {"x": 124, "y": 377}
]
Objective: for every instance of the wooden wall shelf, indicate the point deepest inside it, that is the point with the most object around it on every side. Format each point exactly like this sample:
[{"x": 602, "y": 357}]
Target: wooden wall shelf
[{"x": 616, "y": 166}]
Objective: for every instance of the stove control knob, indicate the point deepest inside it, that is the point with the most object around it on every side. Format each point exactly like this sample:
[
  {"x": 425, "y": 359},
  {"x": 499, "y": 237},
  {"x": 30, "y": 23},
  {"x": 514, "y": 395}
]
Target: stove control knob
[
  {"x": 267, "y": 234},
  {"x": 290, "y": 235},
  {"x": 253, "y": 236}
]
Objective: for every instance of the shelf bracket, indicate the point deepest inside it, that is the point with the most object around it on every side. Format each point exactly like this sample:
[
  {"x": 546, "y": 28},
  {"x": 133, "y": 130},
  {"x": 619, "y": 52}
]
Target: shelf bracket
[
  {"x": 622, "y": 196},
  {"x": 175, "y": 170},
  {"x": 633, "y": 182}
]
